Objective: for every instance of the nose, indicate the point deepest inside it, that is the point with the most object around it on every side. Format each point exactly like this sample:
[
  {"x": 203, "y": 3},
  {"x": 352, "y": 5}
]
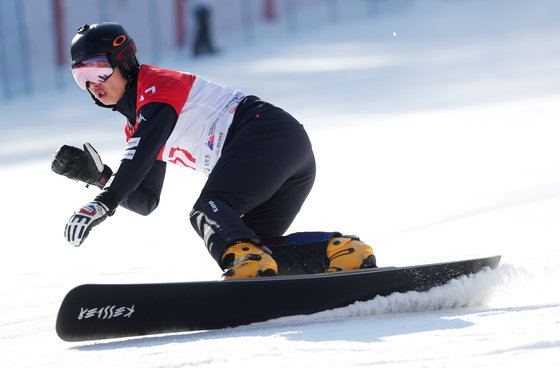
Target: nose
[{"x": 91, "y": 85}]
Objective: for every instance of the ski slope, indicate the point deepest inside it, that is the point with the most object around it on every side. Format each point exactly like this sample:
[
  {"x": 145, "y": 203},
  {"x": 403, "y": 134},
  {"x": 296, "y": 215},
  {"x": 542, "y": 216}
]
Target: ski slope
[{"x": 436, "y": 128}]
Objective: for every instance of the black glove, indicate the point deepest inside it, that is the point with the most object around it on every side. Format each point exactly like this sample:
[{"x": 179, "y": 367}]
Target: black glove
[{"x": 81, "y": 165}]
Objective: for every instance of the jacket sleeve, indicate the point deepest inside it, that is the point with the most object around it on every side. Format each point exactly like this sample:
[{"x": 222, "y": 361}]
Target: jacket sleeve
[
  {"x": 138, "y": 182},
  {"x": 145, "y": 198}
]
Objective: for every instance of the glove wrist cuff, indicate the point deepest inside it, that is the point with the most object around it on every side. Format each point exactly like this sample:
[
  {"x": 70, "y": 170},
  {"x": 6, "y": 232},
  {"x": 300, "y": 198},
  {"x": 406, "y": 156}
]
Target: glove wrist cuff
[
  {"x": 103, "y": 178},
  {"x": 107, "y": 199}
]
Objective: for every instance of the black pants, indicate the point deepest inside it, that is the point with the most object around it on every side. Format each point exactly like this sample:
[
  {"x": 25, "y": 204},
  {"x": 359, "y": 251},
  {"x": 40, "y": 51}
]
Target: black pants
[{"x": 260, "y": 182}]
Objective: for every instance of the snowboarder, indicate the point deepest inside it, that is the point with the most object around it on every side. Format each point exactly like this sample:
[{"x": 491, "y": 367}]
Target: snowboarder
[{"x": 258, "y": 159}]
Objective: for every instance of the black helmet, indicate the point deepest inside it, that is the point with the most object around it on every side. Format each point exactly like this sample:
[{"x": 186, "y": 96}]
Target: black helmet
[{"x": 109, "y": 39}]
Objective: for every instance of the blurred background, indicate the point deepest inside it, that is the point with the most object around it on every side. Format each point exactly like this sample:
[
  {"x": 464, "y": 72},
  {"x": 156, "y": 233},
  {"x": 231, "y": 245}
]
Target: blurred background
[{"x": 35, "y": 34}]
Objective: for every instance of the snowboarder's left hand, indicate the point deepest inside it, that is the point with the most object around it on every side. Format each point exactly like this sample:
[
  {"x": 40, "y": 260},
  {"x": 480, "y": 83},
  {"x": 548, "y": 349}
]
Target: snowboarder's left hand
[{"x": 80, "y": 224}]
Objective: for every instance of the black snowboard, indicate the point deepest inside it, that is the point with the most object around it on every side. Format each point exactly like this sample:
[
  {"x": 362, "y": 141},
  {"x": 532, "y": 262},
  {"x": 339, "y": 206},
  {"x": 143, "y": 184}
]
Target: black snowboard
[{"x": 91, "y": 312}]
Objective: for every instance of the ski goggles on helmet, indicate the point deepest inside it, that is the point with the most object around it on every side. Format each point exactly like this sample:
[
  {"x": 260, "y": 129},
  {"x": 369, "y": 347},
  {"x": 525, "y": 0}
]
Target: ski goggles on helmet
[{"x": 95, "y": 70}]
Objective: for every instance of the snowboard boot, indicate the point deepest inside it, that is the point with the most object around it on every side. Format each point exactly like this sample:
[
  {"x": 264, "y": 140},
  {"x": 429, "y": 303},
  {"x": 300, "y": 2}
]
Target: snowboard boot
[
  {"x": 349, "y": 253},
  {"x": 248, "y": 260}
]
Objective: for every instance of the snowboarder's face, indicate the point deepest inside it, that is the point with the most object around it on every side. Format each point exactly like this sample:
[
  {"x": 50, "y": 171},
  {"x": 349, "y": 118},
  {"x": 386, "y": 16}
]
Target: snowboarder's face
[{"x": 110, "y": 91}]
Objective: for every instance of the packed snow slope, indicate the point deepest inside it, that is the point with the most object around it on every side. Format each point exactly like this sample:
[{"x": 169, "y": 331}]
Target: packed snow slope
[{"x": 436, "y": 128}]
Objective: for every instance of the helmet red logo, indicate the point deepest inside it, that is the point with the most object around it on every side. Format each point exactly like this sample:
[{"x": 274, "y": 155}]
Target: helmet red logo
[
  {"x": 126, "y": 52},
  {"x": 119, "y": 40}
]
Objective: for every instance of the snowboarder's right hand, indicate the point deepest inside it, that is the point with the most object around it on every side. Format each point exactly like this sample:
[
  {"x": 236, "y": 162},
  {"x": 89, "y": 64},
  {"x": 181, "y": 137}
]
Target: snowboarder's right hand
[
  {"x": 81, "y": 165},
  {"x": 80, "y": 224}
]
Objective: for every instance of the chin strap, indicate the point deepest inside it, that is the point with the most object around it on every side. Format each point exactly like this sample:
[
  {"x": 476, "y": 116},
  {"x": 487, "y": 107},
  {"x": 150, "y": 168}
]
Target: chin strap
[{"x": 99, "y": 103}]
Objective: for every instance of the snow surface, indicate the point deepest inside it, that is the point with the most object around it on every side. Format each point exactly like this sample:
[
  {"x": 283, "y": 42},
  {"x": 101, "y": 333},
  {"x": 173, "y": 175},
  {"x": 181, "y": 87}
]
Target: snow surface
[{"x": 435, "y": 126}]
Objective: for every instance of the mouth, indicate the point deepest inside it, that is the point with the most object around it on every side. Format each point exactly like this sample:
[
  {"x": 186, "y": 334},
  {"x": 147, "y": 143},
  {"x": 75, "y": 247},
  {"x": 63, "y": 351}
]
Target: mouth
[
  {"x": 100, "y": 95},
  {"x": 98, "y": 92}
]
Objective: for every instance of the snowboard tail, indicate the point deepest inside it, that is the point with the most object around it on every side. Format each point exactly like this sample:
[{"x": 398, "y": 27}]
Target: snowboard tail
[{"x": 92, "y": 312}]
